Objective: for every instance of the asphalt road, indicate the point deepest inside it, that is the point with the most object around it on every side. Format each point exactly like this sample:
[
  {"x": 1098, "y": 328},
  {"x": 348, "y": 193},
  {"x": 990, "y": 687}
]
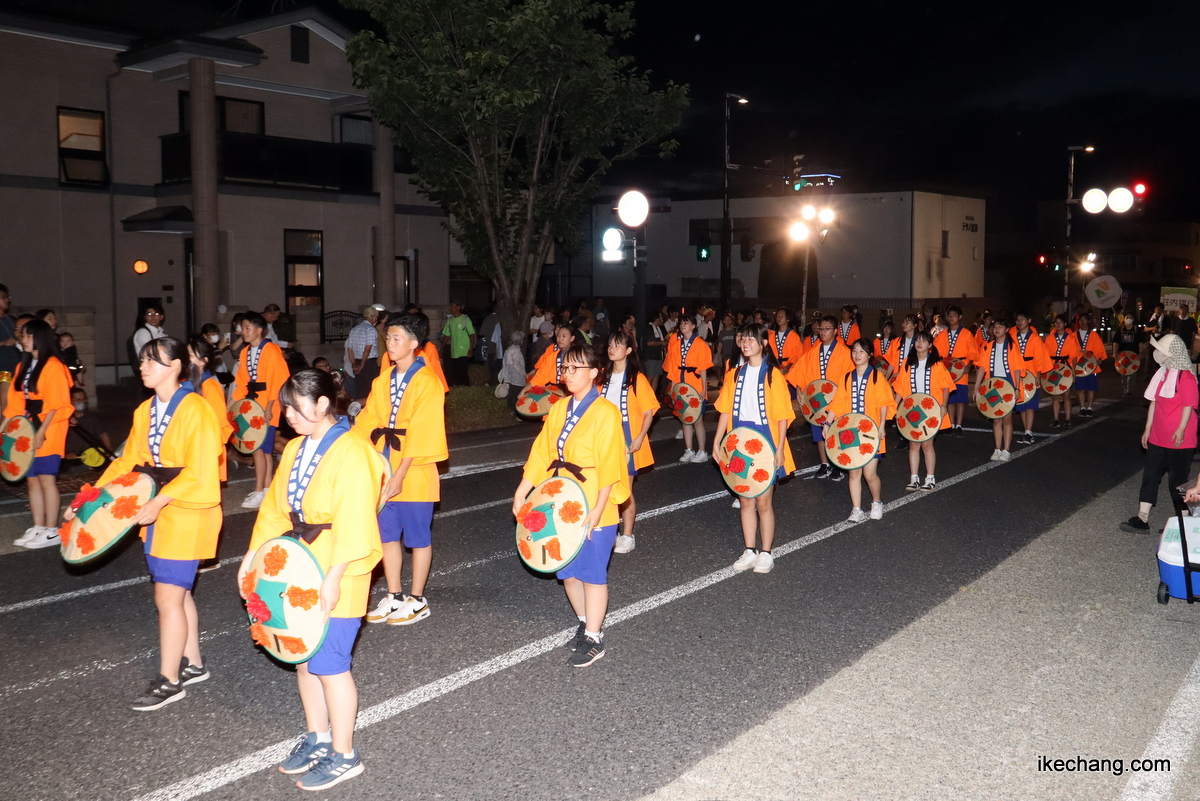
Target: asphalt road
[{"x": 476, "y": 701}]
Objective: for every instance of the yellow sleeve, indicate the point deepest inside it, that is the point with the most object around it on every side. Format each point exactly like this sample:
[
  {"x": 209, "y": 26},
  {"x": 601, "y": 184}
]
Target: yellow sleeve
[
  {"x": 273, "y": 516},
  {"x": 544, "y": 449},
  {"x": 724, "y": 403},
  {"x": 195, "y": 443},
  {"x": 352, "y": 490},
  {"x": 54, "y": 388},
  {"x": 779, "y": 400},
  {"x": 377, "y": 410},
  {"x": 425, "y": 405},
  {"x": 611, "y": 460}
]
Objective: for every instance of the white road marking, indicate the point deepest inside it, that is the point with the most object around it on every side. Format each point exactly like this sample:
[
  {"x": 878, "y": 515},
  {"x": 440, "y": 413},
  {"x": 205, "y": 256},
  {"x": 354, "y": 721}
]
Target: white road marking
[
  {"x": 264, "y": 758},
  {"x": 1173, "y": 741}
]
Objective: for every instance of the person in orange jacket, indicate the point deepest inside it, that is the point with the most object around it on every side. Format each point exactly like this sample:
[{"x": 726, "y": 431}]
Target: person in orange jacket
[
  {"x": 688, "y": 361},
  {"x": 830, "y": 360},
  {"x": 1033, "y": 350},
  {"x": 548, "y": 369},
  {"x": 924, "y": 372},
  {"x": 1089, "y": 342},
  {"x": 785, "y": 342},
  {"x": 261, "y": 373},
  {"x": 848, "y": 330},
  {"x": 899, "y": 352},
  {"x": 428, "y": 352},
  {"x": 756, "y": 396},
  {"x": 885, "y": 344},
  {"x": 626, "y": 387},
  {"x": 1001, "y": 357},
  {"x": 1062, "y": 347},
  {"x": 865, "y": 390},
  {"x": 956, "y": 342}
]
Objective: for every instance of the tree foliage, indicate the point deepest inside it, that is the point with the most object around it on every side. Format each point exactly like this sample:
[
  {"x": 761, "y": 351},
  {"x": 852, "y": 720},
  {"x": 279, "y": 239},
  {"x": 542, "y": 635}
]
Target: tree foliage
[{"x": 512, "y": 110}]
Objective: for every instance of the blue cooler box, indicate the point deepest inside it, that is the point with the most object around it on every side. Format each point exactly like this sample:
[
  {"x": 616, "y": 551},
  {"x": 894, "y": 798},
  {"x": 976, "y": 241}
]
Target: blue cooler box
[{"x": 1170, "y": 557}]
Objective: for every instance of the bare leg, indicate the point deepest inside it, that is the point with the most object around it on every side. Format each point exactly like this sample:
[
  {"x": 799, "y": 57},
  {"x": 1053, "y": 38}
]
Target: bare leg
[
  {"x": 172, "y": 628},
  {"x": 262, "y": 470},
  {"x": 312, "y": 698},
  {"x": 421, "y": 559},
  {"x": 628, "y": 515},
  {"x": 1027, "y": 419},
  {"x": 998, "y": 433},
  {"x": 1007, "y": 429},
  {"x": 855, "y": 484},
  {"x": 914, "y": 457},
  {"x": 191, "y": 648},
  {"x": 50, "y": 500},
  {"x": 37, "y": 504},
  {"x": 574, "y": 590},
  {"x": 701, "y": 434},
  {"x": 688, "y": 434},
  {"x": 341, "y": 703},
  {"x": 821, "y": 452},
  {"x": 871, "y": 473},
  {"x": 393, "y": 563},
  {"x": 766, "y": 518},
  {"x": 749, "y": 516},
  {"x": 596, "y": 605},
  {"x": 930, "y": 457}
]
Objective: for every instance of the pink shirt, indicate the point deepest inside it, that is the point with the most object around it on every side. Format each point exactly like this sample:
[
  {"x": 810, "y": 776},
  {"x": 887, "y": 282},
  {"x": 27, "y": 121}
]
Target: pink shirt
[{"x": 1167, "y": 412}]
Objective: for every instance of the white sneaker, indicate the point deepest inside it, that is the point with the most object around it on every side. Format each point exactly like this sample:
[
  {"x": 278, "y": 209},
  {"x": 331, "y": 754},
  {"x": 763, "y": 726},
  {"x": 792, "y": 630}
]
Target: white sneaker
[
  {"x": 737, "y": 503},
  {"x": 687, "y": 456},
  {"x": 679, "y": 434},
  {"x": 765, "y": 563},
  {"x": 1005, "y": 456},
  {"x": 930, "y": 485},
  {"x": 995, "y": 455},
  {"x": 857, "y": 516},
  {"x": 387, "y": 605},
  {"x": 253, "y": 500},
  {"x": 46, "y": 537},
  {"x": 700, "y": 457},
  {"x": 411, "y": 610},
  {"x": 877, "y": 510},
  {"x": 625, "y": 544},
  {"x": 29, "y": 534},
  {"x": 746, "y": 561}
]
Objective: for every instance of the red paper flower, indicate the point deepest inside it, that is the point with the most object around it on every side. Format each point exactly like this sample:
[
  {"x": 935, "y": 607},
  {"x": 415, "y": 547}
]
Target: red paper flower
[
  {"x": 257, "y": 422},
  {"x": 552, "y": 488},
  {"x": 866, "y": 448},
  {"x": 826, "y": 388},
  {"x": 914, "y": 417},
  {"x": 524, "y": 510},
  {"x": 87, "y": 493},
  {"x": 737, "y": 464},
  {"x": 678, "y": 405},
  {"x": 259, "y": 635},
  {"x": 553, "y": 549},
  {"x": 21, "y": 445},
  {"x": 571, "y": 512},
  {"x": 927, "y": 404},
  {"x": 232, "y": 417},
  {"x": 258, "y": 608},
  {"x": 761, "y": 475},
  {"x": 865, "y": 426},
  {"x": 246, "y": 407},
  {"x": 302, "y": 599},
  {"x": 740, "y": 488},
  {"x": 843, "y": 459},
  {"x": 125, "y": 507},
  {"x": 293, "y": 645},
  {"x": 694, "y": 402},
  {"x": 11, "y": 468},
  {"x": 64, "y": 533},
  {"x": 127, "y": 480},
  {"x": 534, "y": 521},
  {"x": 846, "y": 437},
  {"x": 1006, "y": 397},
  {"x": 248, "y": 583},
  {"x": 554, "y": 398},
  {"x": 731, "y": 441},
  {"x": 274, "y": 561},
  {"x": 754, "y": 447},
  {"x": 523, "y": 547},
  {"x": 14, "y": 424},
  {"x": 86, "y": 542}
]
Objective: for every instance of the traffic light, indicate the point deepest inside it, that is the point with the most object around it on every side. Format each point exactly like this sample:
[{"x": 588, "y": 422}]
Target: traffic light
[
  {"x": 1042, "y": 260},
  {"x": 702, "y": 252},
  {"x": 703, "y": 245}
]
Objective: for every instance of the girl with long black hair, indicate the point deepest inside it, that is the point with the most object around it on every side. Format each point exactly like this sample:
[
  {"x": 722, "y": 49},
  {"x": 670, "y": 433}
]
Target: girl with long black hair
[{"x": 627, "y": 388}]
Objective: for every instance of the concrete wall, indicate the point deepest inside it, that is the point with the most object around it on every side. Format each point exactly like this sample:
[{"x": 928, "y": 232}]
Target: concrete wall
[{"x": 960, "y": 274}]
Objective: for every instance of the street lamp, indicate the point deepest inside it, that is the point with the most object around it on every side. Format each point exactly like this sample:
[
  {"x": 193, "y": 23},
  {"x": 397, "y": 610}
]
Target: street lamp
[
  {"x": 633, "y": 208},
  {"x": 726, "y": 282},
  {"x": 1071, "y": 151},
  {"x": 808, "y": 212},
  {"x": 801, "y": 232}
]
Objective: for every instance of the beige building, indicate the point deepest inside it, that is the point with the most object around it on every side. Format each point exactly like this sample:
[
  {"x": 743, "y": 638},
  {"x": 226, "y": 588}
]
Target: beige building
[{"x": 235, "y": 166}]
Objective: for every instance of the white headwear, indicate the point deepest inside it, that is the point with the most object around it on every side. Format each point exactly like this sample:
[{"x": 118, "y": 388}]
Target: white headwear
[{"x": 1172, "y": 356}]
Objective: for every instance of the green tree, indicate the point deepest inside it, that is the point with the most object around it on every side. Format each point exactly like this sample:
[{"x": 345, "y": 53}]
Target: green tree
[{"x": 513, "y": 111}]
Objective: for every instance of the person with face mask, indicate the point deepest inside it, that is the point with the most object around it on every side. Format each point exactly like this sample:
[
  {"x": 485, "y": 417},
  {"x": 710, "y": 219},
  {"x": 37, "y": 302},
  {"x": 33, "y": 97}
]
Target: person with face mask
[{"x": 86, "y": 431}]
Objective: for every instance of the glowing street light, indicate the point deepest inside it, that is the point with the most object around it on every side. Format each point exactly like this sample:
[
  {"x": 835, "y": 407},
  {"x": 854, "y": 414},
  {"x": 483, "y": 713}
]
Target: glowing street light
[
  {"x": 633, "y": 208},
  {"x": 1120, "y": 200},
  {"x": 613, "y": 239},
  {"x": 826, "y": 216},
  {"x": 799, "y": 231},
  {"x": 808, "y": 212},
  {"x": 1094, "y": 201}
]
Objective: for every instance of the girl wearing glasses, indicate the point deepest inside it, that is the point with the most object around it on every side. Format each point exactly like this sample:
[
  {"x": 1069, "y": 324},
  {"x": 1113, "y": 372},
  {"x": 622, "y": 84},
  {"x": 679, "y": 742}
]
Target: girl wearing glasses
[{"x": 583, "y": 439}]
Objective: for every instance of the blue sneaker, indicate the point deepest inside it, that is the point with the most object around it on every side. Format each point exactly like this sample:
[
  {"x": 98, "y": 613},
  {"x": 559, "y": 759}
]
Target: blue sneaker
[
  {"x": 308, "y": 752},
  {"x": 331, "y": 770}
]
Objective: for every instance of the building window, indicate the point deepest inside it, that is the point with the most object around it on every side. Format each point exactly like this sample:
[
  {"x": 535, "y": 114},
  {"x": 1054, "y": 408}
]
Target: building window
[
  {"x": 237, "y": 116},
  {"x": 299, "y": 44},
  {"x": 356, "y": 130},
  {"x": 304, "y": 263},
  {"x": 945, "y": 244},
  {"x": 81, "y": 153}
]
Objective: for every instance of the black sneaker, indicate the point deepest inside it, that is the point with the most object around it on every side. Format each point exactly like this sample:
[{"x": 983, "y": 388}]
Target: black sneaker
[
  {"x": 1067, "y": 424},
  {"x": 192, "y": 674},
  {"x": 913, "y": 485},
  {"x": 1025, "y": 439},
  {"x": 1135, "y": 525},
  {"x": 574, "y": 643},
  {"x": 838, "y": 475},
  {"x": 825, "y": 472},
  {"x": 159, "y": 693},
  {"x": 588, "y": 652},
  {"x": 208, "y": 565},
  {"x": 1055, "y": 424}
]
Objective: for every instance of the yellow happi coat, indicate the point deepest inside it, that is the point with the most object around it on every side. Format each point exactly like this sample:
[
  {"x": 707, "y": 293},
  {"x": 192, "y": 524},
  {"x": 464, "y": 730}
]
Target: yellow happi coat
[
  {"x": 188, "y": 526},
  {"x": 344, "y": 492}
]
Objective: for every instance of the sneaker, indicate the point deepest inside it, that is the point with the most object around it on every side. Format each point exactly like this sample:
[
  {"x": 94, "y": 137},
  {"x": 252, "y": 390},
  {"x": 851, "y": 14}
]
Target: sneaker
[
  {"x": 192, "y": 674},
  {"x": 746, "y": 561},
  {"x": 625, "y": 544},
  {"x": 876, "y": 510},
  {"x": 159, "y": 693},
  {"x": 995, "y": 455},
  {"x": 679, "y": 434},
  {"x": 253, "y": 500},
  {"x": 208, "y": 565},
  {"x": 1135, "y": 525},
  {"x": 387, "y": 605},
  {"x": 1025, "y": 439},
  {"x": 1005, "y": 456},
  {"x": 765, "y": 563},
  {"x": 914, "y": 484},
  {"x": 1087, "y": 412},
  {"x": 46, "y": 537},
  {"x": 930, "y": 485},
  {"x": 29, "y": 534},
  {"x": 307, "y": 753},
  {"x": 1067, "y": 424},
  {"x": 588, "y": 652},
  {"x": 700, "y": 457},
  {"x": 687, "y": 455},
  {"x": 737, "y": 503},
  {"x": 580, "y": 635},
  {"x": 1055, "y": 424},
  {"x": 837, "y": 475},
  {"x": 330, "y": 770},
  {"x": 957, "y": 431},
  {"x": 857, "y": 516},
  {"x": 826, "y": 471},
  {"x": 411, "y": 610}
]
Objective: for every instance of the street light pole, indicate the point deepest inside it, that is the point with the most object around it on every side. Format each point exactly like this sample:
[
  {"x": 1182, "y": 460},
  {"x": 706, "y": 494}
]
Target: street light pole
[
  {"x": 726, "y": 289},
  {"x": 1071, "y": 151}
]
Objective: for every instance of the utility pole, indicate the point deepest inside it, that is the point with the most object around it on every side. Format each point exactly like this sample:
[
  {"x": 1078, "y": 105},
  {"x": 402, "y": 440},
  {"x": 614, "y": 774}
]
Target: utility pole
[{"x": 726, "y": 289}]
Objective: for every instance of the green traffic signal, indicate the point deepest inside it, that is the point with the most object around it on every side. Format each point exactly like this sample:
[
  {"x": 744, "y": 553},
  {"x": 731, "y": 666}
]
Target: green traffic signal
[{"x": 701, "y": 253}]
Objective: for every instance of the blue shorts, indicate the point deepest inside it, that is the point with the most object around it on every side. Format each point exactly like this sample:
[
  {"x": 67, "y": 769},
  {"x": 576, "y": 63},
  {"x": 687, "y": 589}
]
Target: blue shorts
[
  {"x": 960, "y": 395},
  {"x": 409, "y": 520},
  {"x": 180, "y": 572},
  {"x": 1031, "y": 404},
  {"x": 817, "y": 435},
  {"x": 268, "y": 446},
  {"x": 591, "y": 565},
  {"x": 335, "y": 654},
  {"x": 1087, "y": 383},
  {"x": 44, "y": 466}
]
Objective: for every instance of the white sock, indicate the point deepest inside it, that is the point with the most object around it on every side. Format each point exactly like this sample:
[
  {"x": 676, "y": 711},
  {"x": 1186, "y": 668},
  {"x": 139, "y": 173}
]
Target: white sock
[
  {"x": 593, "y": 635},
  {"x": 324, "y": 737},
  {"x": 349, "y": 754},
  {"x": 1028, "y": 433},
  {"x": 929, "y": 478},
  {"x": 582, "y": 619},
  {"x": 857, "y": 509},
  {"x": 914, "y": 477}
]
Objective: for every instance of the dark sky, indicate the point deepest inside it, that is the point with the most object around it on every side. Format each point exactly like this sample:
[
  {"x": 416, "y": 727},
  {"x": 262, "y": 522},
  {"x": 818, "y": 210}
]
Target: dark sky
[{"x": 984, "y": 96}]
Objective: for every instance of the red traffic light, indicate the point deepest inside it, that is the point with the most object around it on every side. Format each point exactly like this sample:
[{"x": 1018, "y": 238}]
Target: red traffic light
[
  {"x": 1041, "y": 259},
  {"x": 1139, "y": 188}
]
